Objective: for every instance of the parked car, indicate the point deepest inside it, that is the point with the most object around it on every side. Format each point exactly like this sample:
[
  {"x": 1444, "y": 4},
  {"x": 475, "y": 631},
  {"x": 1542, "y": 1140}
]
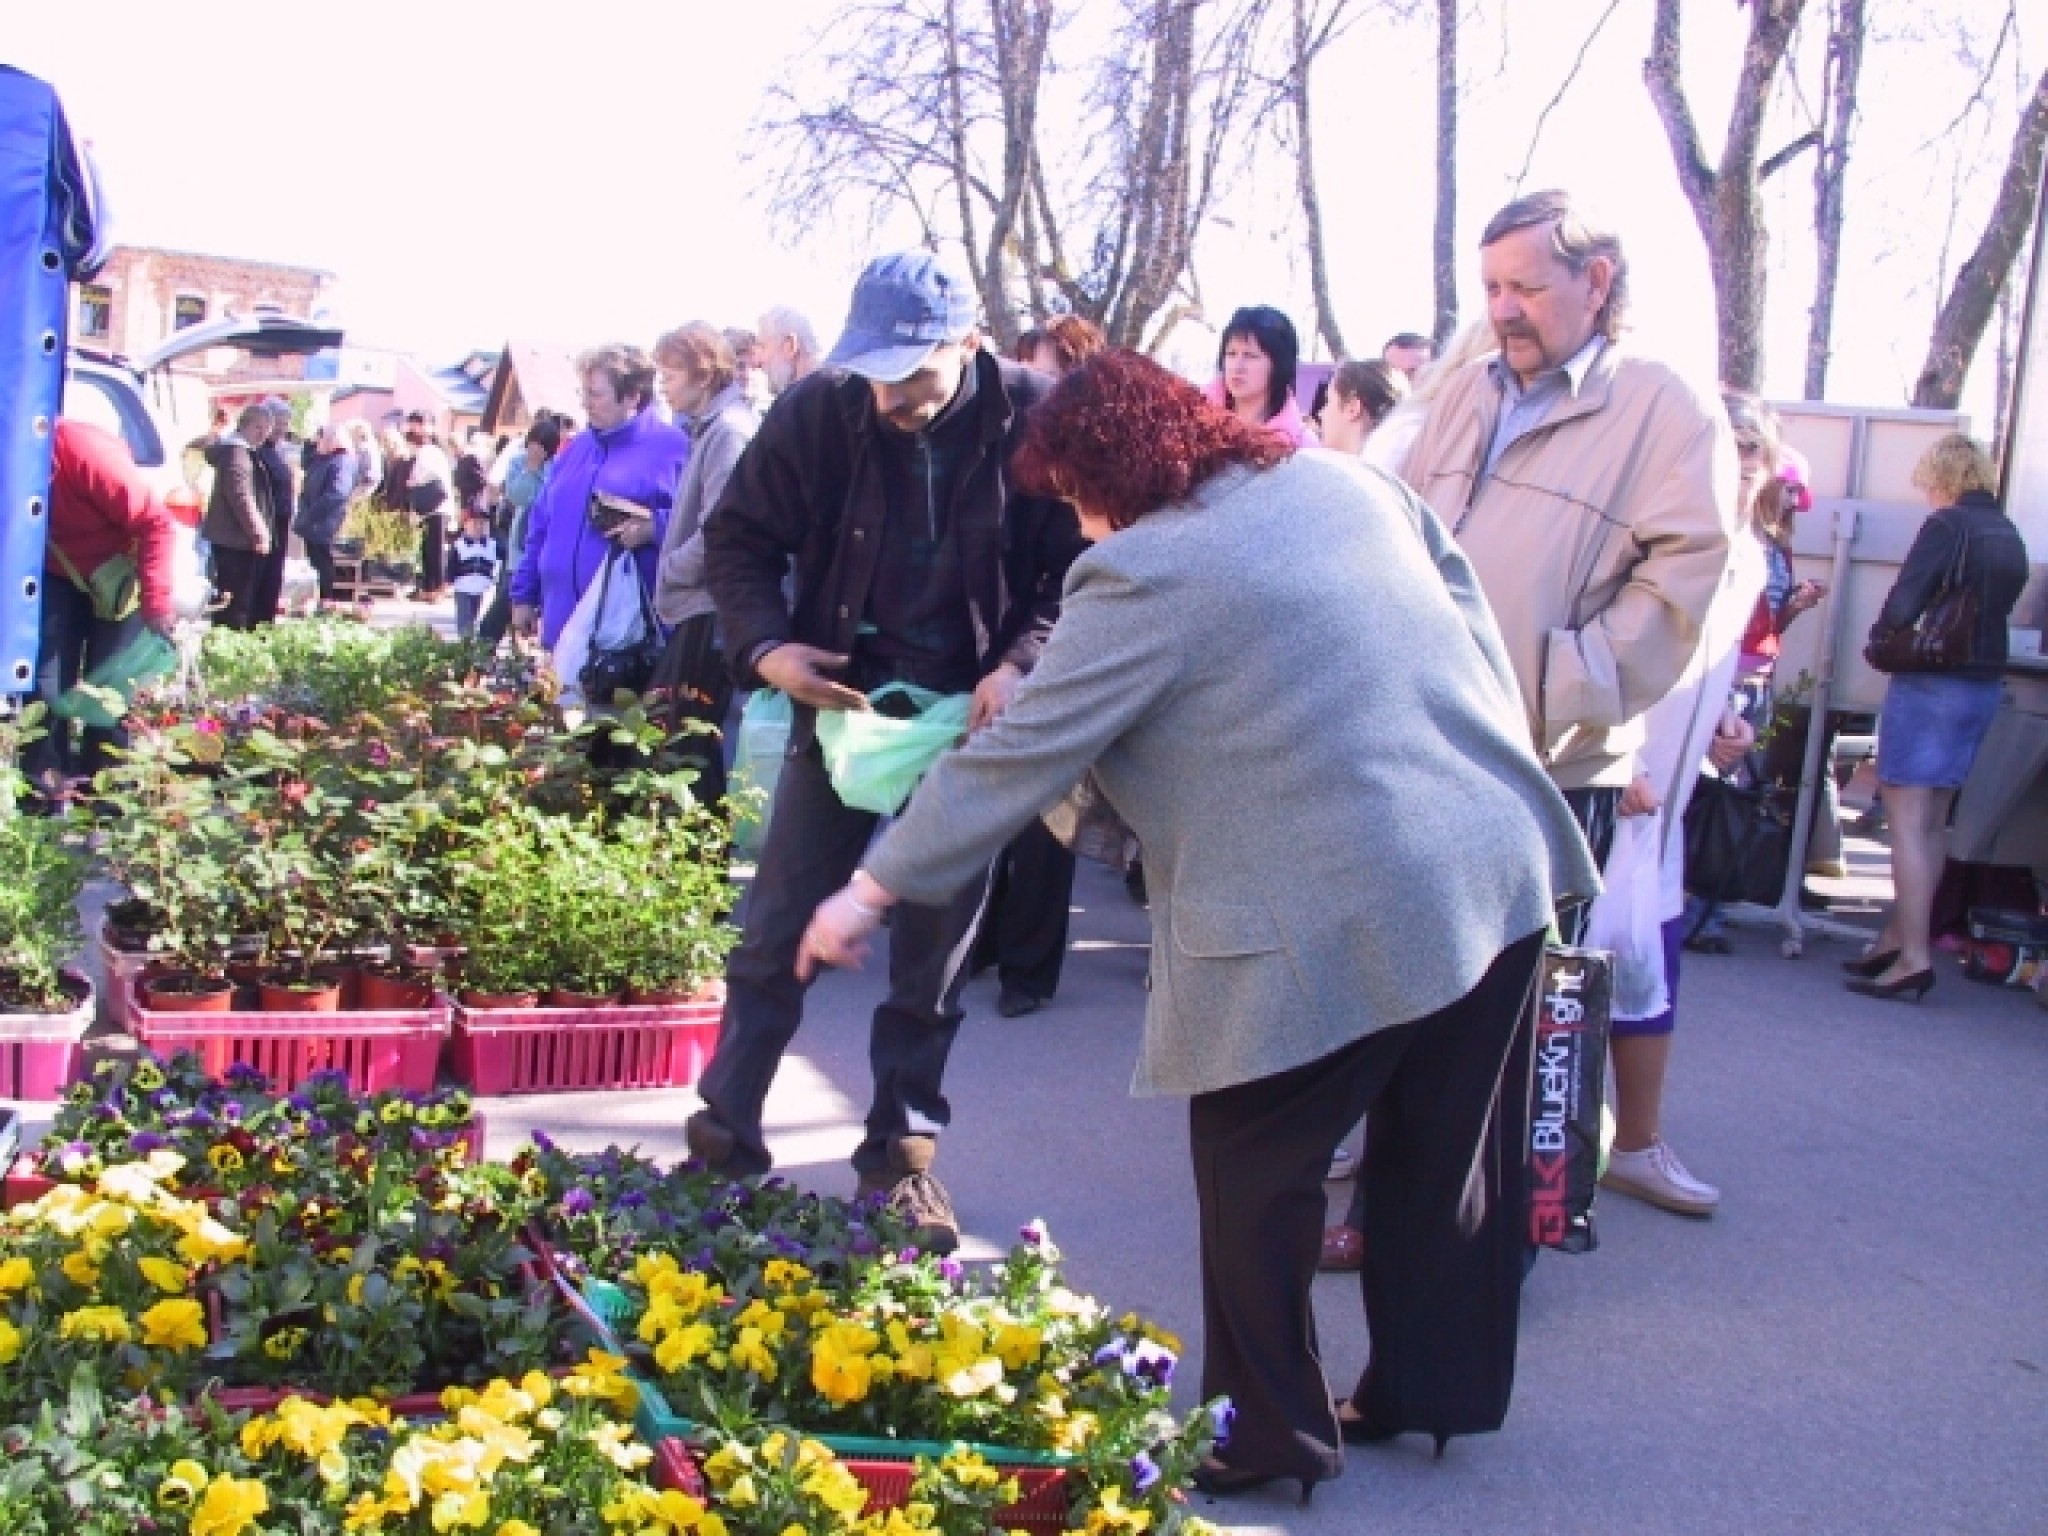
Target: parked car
[{"x": 160, "y": 414}]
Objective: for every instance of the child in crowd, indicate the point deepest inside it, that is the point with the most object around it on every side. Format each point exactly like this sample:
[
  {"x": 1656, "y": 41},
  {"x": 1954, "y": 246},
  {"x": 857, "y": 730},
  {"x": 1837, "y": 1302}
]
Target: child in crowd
[{"x": 475, "y": 570}]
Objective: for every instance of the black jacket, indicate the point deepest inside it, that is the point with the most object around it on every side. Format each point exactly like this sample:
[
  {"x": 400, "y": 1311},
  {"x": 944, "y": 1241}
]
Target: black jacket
[
  {"x": 274, "y": 467},
  {"x": 808, "y": 489},
  {"x": 1996, "y": 566}
]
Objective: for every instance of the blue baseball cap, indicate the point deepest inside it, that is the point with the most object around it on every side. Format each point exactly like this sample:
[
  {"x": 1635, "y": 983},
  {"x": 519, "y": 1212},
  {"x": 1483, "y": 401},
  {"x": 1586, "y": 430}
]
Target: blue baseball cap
[{"x": 904, "y": 307}]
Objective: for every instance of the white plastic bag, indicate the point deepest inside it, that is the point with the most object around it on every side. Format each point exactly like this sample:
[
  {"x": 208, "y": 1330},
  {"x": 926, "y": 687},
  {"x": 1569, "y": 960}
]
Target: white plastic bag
[
  {"x": 1627, "y": 918},
  {"x": 572, "y": 646},
  {"x": 621, "y": 621}
]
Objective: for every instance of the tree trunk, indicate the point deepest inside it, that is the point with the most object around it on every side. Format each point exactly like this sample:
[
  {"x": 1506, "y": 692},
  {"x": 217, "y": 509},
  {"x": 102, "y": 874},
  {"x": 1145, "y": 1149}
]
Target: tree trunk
[
  {"x": 1726, "y": 199},
  {"x": 1444, "y": 236},
  {"x": 1302, "y": 60},
  {"x": 1830, "y": 172},
  {"x": 1966, "y": 312}
]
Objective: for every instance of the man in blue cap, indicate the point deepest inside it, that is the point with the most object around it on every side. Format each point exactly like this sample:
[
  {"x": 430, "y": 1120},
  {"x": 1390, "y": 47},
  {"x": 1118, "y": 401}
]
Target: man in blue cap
[{"x": 883, "y": 481}]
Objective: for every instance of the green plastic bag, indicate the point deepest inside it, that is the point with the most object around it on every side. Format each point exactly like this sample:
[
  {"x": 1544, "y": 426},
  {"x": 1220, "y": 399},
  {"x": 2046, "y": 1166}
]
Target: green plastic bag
[
  {"x": 875, "y": 760},
  {"x": 757, "y": 767},
  {"x": 102, "y": 697}
]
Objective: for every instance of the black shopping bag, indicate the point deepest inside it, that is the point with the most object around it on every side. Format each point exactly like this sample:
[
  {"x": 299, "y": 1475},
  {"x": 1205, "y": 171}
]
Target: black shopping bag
[
  {"x": 1574, "y": 1008},
  {"x": 1738, "y": 841}
]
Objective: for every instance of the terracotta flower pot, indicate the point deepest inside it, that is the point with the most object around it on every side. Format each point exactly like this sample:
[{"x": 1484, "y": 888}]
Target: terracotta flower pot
[
  {"x": 278, "y": 994},
  {"x": 387, "y": 988},
  {"x": 487, "y": 1001},
  {"x": 249, "y": 973},
  {"x": 346, "y": 975},
  {"x": 185, "y": 992},
  {"x": 712, "y": 991},
  {"x": 562, "y": 997}
]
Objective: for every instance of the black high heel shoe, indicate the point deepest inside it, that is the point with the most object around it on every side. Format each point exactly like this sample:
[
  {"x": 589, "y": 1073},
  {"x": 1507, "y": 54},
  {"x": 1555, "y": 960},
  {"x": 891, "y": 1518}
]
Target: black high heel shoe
[
  {"x": 1870, "y": 967},
  {"x": 1907, "y": 989},
  {"x": 1221, "y": 1482},
  {"x": 1365, "y": 1432}
]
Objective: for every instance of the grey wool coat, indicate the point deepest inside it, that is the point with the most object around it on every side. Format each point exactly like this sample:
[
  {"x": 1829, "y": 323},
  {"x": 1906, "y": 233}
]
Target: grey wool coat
[{"x": 1292, "y": 690}]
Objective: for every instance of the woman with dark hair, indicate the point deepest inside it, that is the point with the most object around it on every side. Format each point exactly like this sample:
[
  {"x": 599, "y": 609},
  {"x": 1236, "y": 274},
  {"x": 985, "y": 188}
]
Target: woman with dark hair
[
  {"x": 1352, "y": 949},
  {"x": 329, "y": 482},
  {"x": 1255, "y": 363}
]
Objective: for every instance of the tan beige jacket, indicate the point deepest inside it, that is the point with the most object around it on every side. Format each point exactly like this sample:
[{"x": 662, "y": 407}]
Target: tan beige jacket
[{"x": 1599, "y": 540}]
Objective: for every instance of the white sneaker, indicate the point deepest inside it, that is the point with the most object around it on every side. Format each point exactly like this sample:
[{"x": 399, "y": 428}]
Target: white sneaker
[{"x": 1656, "y": 1175}]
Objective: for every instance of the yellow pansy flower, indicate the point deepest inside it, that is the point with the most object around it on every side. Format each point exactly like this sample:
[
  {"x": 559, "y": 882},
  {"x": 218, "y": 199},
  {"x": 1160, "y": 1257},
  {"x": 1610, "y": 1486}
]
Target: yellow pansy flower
[
  {"x": 167, "y": 1277},
  {"x": 10, "y": 1342},
  {"x": 81, "y": 1271},
  {"x": 109, "y": 1325},
  {"x": 178, "y": 1325},
  {"x": 16, "y": 1274},
  {"x": 229, "y": 1507},
  {"x": 181, "y": 1485}
]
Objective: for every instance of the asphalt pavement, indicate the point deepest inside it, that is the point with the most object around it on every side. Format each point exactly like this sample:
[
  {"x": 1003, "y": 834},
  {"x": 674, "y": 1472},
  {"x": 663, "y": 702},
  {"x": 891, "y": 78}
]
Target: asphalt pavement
[{"x": 1857, "y": 1342}]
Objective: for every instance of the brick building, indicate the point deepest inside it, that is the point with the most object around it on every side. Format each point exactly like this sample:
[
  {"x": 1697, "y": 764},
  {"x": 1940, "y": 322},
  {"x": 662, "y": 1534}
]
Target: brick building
[{"x": 143, "y": 295}]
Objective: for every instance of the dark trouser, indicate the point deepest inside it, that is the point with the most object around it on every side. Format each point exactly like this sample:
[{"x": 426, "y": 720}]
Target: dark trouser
[
  {"x": 466, "y": 606},
  {"x": 693, "y": 674},
  {"x": 1595, "y": 811},
  {"x": 321, "y": 558},
  {"x": 433, "y": 553},
  {"x": 1024, "y": 931},
  {"x": 236, "y": 572},
  {"x": 269, "y": 592},
  {"x": 73, "y": 641},
  {"x": 1449, "y": 1101},
  {"x": 815, "y": 842},
  {"x": 497, "y": 618}
]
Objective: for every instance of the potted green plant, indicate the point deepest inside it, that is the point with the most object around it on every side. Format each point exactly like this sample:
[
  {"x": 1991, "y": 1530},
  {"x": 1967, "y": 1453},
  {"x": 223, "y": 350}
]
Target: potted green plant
[
  {"x": 42, "y": 872},
  {"x": 168, "y": 842},
  {"x": 498, "y": 870},
  {"x": 679, "y": 893}
]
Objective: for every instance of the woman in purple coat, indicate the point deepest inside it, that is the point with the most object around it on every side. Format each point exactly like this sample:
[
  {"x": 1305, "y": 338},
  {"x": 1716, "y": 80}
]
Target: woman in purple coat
[{"x": 631, "y": 462}]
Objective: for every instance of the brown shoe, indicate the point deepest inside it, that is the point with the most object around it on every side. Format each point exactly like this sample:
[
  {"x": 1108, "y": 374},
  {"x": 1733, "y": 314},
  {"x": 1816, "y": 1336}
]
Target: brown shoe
[
  {"x": 914, "y": 1194},
  {"x": 1343, "y": 1250}
]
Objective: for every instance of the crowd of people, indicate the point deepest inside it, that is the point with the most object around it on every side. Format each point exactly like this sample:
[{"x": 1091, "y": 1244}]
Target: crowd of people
[{"x": 1539, "y": 577}]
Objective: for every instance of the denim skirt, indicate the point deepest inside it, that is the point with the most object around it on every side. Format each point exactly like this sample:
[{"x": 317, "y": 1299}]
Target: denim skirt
[{"x": 1931, "y": 726}]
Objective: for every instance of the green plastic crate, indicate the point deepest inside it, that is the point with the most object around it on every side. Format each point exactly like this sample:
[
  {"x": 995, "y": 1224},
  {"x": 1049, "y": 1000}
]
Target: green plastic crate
[{"x": 657, "y": 1421}]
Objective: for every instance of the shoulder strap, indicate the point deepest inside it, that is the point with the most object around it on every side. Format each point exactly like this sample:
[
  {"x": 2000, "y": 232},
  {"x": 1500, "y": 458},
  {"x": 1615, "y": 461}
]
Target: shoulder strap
[{"x": 70, "y": 570}]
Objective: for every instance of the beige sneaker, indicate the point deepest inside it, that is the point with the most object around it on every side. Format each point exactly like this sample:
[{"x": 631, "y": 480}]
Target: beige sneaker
[{"x": 1657, "y": 1176}]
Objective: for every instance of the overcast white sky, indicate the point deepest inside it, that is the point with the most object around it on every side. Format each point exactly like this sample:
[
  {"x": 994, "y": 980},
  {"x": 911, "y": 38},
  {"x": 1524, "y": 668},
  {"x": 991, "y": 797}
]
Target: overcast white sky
[{"x": 470, "y": 174}]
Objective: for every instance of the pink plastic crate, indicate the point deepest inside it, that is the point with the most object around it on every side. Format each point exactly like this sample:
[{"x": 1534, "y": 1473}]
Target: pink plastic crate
[
  {"x": 554, "y": 1050},
  {"x": 400, "y": 1048},
  {"x": 39, "y": 1052}
]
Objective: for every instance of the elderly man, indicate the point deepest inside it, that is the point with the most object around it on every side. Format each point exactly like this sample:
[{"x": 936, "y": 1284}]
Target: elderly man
[
  {"x": 1593, "y": 490},
  {"x": 789, "y": 347},
  {"x": 239, "y": 524},
  {"x": 276, "y": 468},
  {"x": 698, "y": 378},
  {"x": 883, "y": 479}
]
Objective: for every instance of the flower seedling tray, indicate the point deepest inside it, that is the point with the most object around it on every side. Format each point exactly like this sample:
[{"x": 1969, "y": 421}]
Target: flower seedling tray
[
  {"x": 26, "y": 1182},
  {"x": 39, "y": 1052},
  {"x": 555, "y": 1050},
  {"x": 1041, "y": 1491},
  {"x": 378, "y": 1050}
]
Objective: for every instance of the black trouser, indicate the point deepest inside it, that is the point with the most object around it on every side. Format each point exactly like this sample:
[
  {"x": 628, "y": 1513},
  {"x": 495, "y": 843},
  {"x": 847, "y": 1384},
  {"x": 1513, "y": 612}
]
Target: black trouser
[
  {"x": 236, "y": 573},
  {"x": 269, "y": 594},
  {"x": 692, "y": 673},
  {"x": 1447, "y": 1101},
  {"x": 433, "y": 553},
  {"x": 1024, "y": 931},
  {"x": 321, "y": 557},
  {"x": 73, "y": 641},
  {"x": 1595, "y": 811},
  {"x": 815, "y": 842}
]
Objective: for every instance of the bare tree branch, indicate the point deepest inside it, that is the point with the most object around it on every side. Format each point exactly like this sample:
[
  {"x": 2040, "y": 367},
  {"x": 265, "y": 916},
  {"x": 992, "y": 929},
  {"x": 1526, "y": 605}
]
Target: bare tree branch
[
  {"x": 1811, "y": 139},
  {"x": 1564, "y": 86}
]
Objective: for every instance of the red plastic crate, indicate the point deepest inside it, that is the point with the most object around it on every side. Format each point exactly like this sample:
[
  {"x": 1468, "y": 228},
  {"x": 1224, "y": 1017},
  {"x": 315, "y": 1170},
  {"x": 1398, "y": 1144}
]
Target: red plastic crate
[
  {"x": 39, "y": 1052},
  {"x": 378, "y": 1050},
  {"x": 1041, "y": 1491},
  {"x": 553, "y": 1050}
]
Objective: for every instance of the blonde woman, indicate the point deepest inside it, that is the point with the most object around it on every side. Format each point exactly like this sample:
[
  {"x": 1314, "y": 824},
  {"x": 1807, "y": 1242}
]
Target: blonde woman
[{"x": 1933, "y": 722}]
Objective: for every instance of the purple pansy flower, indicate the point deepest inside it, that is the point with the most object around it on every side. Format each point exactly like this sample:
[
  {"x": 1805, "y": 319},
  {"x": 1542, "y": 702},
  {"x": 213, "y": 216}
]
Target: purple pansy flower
[
  {"x": 1144, "y": 1472},
  {"x": 1222, "y": 1415}
]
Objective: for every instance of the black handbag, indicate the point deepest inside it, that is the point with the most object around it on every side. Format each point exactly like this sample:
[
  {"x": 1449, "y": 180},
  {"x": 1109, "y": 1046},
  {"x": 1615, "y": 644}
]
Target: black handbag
[
  {"x": 1945, "y": 638},
  {"x": 628, "y": 668},
  {"x": 1738, "y": 841}
]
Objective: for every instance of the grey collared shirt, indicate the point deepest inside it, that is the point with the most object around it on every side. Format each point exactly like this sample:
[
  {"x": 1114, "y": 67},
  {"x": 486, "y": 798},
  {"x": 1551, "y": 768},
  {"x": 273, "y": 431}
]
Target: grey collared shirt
[{"x": 1524, "y": 408}]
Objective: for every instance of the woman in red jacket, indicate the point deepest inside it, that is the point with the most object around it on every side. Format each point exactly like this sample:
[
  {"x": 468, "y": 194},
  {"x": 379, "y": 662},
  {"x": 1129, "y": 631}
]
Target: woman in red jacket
[{"x": 100, "y": 510}]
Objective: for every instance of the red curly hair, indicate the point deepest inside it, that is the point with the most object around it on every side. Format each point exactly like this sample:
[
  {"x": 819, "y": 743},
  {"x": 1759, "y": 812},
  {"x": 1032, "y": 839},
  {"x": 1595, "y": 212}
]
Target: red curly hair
[{"x": 1125, "y": 437}]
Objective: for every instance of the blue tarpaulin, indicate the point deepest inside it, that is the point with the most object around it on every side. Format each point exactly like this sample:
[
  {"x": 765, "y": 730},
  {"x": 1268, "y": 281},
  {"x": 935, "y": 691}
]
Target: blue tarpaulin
[{"x": 50, "y": 236}]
